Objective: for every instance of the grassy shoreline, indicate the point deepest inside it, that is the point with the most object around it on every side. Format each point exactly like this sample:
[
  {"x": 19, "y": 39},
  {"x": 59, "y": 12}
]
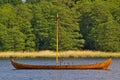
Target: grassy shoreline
[{"x": 65, "y": 54}]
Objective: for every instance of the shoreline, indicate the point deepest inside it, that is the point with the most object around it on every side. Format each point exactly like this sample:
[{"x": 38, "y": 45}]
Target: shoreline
[{"x": 62, "y": 54}]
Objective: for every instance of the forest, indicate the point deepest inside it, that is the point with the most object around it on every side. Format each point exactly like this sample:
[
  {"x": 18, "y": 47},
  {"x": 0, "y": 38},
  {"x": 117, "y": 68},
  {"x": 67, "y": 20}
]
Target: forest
[{"x": 83, "y": 25}]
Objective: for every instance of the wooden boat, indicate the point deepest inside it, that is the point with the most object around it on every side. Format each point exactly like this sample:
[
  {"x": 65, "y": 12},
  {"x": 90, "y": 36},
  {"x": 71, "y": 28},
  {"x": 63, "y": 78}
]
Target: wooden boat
[{"x": 98, "y": 66}]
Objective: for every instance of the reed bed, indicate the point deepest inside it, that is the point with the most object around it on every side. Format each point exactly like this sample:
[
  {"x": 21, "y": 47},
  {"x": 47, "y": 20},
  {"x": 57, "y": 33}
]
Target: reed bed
[{"x": 64, "y": 54}]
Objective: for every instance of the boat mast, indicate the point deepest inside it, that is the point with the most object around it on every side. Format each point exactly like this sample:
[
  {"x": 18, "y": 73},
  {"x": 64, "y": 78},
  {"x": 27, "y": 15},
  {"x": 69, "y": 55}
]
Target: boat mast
[{"x": 57, "y": 39}]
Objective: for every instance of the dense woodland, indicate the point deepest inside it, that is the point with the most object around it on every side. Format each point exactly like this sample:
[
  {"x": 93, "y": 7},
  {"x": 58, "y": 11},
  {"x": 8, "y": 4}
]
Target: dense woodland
[{"x": 83, "y": 25}]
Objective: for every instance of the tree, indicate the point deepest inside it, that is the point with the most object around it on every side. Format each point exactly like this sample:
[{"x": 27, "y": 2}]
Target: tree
[
  {"x": 99, "y": 29},
  {"x": 32, "y": 25},
  {"x": 3, "y": 33},
  {"x": 25, "y": 27},
  {"x": 105, "y": 37},
  {"x": 11, "y": 39},
  {"x": 92, "y": 16},
  {"x": 14, "y": 20},
  {"x": 44, "y": 25},
  {"x": 13, "y": 2},
  {"x": 24, "y": 17},
  {"x": 7, "y": 13},
  {"x": 69, "y": 33},
  {"x": 32, "y": 1},
  {"x": 14, "y": 40},
  {"x": 116, "y": 15}
]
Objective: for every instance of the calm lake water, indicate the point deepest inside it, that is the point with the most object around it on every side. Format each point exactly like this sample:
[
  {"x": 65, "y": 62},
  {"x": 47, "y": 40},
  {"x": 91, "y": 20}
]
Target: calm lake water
[{"x": 7, "y": 71}]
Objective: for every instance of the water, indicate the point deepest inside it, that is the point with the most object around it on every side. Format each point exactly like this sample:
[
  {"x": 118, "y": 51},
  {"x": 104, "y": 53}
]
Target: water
[{"x": 7, "y": 72}]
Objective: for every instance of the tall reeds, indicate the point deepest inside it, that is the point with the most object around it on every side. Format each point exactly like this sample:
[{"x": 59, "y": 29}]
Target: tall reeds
[{"x": 65, "y": 54}]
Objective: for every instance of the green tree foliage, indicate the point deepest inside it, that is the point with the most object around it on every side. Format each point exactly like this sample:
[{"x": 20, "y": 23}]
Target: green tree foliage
[
  {"x": 92, "y": 24},
  {"x": 3, "y": 33},
  {"x": 13, "y": 2},
  {"x": 69, "y": 36},
  {"x": 14, "y": 20},
  {"x": 11, "y": 39},
  {"x": 90, "y": 19},
  {"x": 44, "y": 25},
  {"x": 14, "y": 40},
  {"x": 24, "y": 17},
  {"x": 33, "y": 1},
  {"x": 95, "y": 23},
  {"x": 7, "y": 13},
  {"x": 105, "y": 37},
  {"x": 116, "y": 15}
]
